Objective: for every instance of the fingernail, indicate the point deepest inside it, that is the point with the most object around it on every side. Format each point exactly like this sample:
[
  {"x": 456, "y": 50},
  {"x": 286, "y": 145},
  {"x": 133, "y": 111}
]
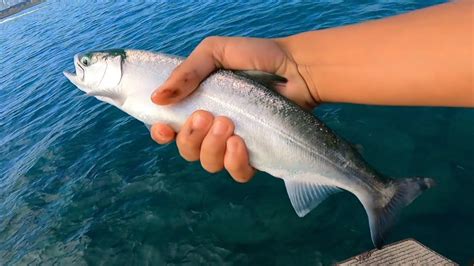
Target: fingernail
[
  {"x": 219, "y": 128},
  {"x": 154, "y": 95},
  {"x": 199, "y": 122}
]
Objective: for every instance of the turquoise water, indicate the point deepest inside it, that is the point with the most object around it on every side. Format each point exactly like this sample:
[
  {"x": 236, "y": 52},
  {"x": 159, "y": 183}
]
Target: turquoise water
[{"x": 81, "y": 182}]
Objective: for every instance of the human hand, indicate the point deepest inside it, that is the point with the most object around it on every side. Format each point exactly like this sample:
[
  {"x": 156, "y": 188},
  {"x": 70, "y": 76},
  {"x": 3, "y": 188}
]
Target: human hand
[{"x": 211, "y": 139}]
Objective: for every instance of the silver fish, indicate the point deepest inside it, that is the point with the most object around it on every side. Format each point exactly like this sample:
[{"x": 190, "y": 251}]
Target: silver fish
[{"x": 282, "y": 139}]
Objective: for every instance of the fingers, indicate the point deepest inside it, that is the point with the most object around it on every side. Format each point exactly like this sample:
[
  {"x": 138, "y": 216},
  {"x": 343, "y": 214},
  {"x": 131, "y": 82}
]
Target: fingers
[
  {"x": 162, "y": 133},
  {"x": 211, "y": 141},
  {"x": 214, "y": 145},
  {"x": 235, "y": 53},
  {"x": 187, "y": 76},
  {"x": 192, "y": 134},
  {"x": 236, "y": 160}
]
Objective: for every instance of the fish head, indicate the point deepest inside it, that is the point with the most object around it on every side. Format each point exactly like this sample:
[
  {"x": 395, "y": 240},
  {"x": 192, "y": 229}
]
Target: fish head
[{"x": 99, "y": 74}]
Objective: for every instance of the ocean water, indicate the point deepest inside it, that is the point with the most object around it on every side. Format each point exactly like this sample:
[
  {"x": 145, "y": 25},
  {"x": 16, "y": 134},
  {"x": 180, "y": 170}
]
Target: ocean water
[{"x": 83, "y": 183}]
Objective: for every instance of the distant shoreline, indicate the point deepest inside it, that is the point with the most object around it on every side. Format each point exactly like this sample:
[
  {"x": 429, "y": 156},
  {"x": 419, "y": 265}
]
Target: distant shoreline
[{"x": 19, "y": 7}]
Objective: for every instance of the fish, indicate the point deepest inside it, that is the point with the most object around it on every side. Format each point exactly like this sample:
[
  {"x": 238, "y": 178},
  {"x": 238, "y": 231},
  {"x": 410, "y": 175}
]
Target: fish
[{"x": 282, "y": 139}]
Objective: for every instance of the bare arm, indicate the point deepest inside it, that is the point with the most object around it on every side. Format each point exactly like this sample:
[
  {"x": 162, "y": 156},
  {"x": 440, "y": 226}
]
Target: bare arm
[{"x": 420, "y": 58}]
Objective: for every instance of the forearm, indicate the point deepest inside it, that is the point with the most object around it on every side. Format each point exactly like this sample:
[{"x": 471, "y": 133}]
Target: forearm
[{"x": 420, "y": 58}]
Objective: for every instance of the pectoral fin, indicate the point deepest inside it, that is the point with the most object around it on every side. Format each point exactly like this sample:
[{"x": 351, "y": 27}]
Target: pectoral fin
[
  {"x": 305, "y": 196},
  {"x": 268, "y": 80},
  {"x": 111, "y": 97}
]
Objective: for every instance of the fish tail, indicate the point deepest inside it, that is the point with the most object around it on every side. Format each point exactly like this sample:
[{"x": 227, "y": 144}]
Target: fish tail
[{"x": 382, "y": 210}]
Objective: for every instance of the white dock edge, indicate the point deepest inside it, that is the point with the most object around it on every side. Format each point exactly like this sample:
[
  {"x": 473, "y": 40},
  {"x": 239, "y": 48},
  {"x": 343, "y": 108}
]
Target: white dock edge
[{"x": 405, "y": 252}]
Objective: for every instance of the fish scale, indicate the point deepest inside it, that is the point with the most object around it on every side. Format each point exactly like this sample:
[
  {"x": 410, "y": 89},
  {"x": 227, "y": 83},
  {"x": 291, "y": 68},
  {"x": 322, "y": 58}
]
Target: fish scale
[{"x": 282, "y": 139}]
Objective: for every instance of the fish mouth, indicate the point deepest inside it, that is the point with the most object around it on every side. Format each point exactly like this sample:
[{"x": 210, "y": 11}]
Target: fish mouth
[
  {"x": 78, "y": 77},
  {"x": 72, "y": 77},
  {"x": 79, "y": 69}
]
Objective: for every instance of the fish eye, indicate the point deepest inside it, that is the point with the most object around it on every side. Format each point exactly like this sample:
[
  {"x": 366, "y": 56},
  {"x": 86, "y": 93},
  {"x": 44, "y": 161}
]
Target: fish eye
[{"x": 85, "y": 60}]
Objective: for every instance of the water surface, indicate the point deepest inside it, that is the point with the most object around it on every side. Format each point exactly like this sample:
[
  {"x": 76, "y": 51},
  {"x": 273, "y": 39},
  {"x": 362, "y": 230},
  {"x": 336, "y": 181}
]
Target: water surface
[{"x": 81, "y": 182}]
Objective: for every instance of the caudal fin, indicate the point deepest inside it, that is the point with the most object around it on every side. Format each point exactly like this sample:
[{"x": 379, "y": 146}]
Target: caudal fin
[{"x": 382, "y": 210}]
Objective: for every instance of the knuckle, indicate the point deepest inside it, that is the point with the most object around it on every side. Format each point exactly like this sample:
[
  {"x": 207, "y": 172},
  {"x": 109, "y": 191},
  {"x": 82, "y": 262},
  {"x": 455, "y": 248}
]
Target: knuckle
[
  {"x": 236, "y": 140},
  {"x": 187, "y": 76},
  {"x": 204, "y": 114},
  {"x": 237, "y": 145},
  {"x": 227, "y": 121},
  {"x": 213, "y": 150},
  {"x": 184, "y": 142},
  {"x": 234, "y": 164},
  {"x": 210, "y": 40},
  {"x": 187, "y": 147}
]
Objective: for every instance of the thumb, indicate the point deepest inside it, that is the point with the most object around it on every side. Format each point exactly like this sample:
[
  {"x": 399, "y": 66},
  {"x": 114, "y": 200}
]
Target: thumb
[{"x": 189, "y": 74}]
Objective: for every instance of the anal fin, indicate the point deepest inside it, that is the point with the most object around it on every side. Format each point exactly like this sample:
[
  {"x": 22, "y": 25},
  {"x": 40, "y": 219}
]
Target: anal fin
[{"x": 305, "y": 196}]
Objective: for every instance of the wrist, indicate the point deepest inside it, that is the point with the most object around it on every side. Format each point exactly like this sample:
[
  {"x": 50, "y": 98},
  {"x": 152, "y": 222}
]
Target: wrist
[
  {"x": 298, "y": 72},
  {"x": 333, "y": 62}
]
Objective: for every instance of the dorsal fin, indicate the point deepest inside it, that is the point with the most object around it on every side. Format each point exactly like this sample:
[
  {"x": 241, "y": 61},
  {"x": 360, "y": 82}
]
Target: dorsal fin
[{"x": 268, "y": 80}]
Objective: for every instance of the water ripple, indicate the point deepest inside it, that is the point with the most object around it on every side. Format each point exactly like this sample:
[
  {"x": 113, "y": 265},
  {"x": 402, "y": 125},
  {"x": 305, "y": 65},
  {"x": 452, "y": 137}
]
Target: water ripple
[{"x": 82, "y": 183}]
